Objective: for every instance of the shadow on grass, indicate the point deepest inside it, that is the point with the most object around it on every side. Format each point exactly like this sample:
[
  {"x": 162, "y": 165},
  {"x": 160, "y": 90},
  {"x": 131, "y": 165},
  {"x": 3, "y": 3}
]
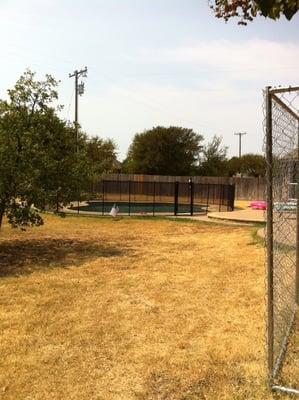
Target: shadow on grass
[{"x": 21, "y": 257}]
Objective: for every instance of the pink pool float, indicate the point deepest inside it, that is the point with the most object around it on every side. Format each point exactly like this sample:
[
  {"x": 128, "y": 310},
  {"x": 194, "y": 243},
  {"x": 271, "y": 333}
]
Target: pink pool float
[{"x": 258, "y": 205}]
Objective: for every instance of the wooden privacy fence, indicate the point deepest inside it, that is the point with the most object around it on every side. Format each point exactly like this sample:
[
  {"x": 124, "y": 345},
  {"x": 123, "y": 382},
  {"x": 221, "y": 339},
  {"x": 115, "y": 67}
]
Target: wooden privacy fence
[{"x": 246, "y": 188}]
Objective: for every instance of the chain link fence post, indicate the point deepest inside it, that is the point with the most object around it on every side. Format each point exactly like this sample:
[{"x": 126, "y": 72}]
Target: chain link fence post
[
  {"x": 282, "y": 237},
  {"x": 269, "y": 233}
]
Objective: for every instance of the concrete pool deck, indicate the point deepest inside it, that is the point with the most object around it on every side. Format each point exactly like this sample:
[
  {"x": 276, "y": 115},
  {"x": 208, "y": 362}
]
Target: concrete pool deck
[
  {"x": 245, "y": 216},
  {"x": 241, "y": 217}
]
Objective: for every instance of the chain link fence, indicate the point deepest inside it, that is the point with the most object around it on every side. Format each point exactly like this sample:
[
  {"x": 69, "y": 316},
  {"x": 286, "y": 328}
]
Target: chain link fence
[{"x": 281, "y": 128}]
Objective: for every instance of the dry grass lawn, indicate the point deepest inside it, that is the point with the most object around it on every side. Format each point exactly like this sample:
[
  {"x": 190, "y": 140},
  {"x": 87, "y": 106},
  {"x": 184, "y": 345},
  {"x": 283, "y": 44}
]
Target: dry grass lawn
[{"x": 131, "y": 309}]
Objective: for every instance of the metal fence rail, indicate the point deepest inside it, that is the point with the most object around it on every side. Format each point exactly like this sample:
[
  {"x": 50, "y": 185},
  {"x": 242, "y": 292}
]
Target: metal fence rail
[
  {"x": 151, "y": 198},
  {"x": 281, "y": 127}
]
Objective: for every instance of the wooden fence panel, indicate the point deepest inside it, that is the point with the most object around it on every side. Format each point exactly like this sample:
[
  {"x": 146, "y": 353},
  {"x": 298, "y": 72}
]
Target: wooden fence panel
[{"x": 247, "y": 188}]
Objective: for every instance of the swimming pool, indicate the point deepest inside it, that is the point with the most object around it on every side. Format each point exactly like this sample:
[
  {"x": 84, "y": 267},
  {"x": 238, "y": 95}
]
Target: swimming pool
[{"x": 143, "y": 208}]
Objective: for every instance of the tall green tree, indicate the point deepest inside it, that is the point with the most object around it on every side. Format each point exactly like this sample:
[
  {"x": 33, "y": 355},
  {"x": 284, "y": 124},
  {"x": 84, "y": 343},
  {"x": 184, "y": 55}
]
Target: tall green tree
[
  {"x": 101, "y": 155},
  {"x": 247, "y": 10},
  {"x": 39, "y": 164},
  {"x": 248, "y": 165},
  {"x": 214, "y": 161},
  {"x": 102, "y": 158},
  {"x": 164, "y": 151}
]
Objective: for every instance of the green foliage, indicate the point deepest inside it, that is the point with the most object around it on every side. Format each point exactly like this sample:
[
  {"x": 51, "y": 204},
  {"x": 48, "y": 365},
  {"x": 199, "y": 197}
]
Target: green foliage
[
  {"x": 163, "y": 151},
  {"x": 39, "y": 164},
  {"x": 101, "y": 154},
  {"x": 214, "y": 160},
  {"x": 247, "y": 165},
  {"x": 274, "y": 8},
  {"x": 247, "y": 10},
  {"x": 21, "y": 215}
]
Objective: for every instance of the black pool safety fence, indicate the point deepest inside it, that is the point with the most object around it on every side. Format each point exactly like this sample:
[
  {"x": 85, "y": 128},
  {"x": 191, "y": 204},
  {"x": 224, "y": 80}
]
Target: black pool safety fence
[{"x": 152, "y": 198}]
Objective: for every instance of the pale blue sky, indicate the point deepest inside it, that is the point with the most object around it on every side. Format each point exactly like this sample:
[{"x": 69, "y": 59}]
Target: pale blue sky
[{"x": 151, "y": 62}]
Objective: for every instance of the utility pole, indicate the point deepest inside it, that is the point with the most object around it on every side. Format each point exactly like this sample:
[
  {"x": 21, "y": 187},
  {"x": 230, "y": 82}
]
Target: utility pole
[
  {"x": 240, "y": 134},
  {"x": 79, "y": 90}
]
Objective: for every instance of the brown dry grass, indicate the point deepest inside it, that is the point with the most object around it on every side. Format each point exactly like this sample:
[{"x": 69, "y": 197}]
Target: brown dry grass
[
  {"x": 290, "y": 369},
  {"x": 131, "y": 309}
]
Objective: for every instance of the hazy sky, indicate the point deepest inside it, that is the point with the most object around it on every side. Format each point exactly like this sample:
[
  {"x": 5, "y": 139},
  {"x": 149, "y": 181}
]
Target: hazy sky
[{"x": 151, "y": 62}]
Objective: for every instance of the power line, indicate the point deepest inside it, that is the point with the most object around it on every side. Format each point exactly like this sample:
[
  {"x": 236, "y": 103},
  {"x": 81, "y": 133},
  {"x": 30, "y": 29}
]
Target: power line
[
  {"x": 209, "y": 70},
  {"x": 70, "y": 104},
  {"x": 160, "y": 108}
]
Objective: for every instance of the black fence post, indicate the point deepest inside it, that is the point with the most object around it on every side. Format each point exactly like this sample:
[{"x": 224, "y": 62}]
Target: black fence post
[
  {"x": 176, "y": 197},
  {"x": 208, "y": 194},
  {"x": 103, "y": 196},
  {"x": 220, "y": 197},
  {"x": 129, "y": 198},
  {"x": 191, "y": 187},
  {"x": 228, "y": 198},
  {"x": 154, "y": 198},
  {"x": 78, "y": 202}
]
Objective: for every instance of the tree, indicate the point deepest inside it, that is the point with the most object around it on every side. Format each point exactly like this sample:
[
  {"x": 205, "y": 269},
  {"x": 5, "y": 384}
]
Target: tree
[
  {"x": 101, "y": 154},
  {"x": 164, "y": 151},
  {"x": 64, "y": 168},
  {"x": 214, "y": 160},
  {"x": 247, "y": 10},
  {"x": 248, "y": 165},
  {"x": 39, "y": 164}
]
